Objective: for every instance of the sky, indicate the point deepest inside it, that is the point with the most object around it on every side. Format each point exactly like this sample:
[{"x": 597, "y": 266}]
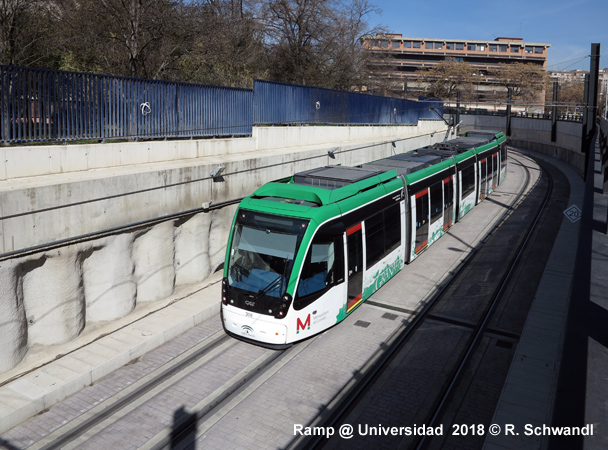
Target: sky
[{"x": 570, "y": 26}]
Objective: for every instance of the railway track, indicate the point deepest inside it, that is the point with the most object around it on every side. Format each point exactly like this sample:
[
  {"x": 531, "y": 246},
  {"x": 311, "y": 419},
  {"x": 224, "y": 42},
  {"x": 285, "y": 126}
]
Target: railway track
[
  {"x": 80, "y": 431},
  {"x": 470, "y": 325}
]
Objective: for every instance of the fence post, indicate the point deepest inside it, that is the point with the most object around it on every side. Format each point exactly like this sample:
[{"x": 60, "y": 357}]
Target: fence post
[
  {"x": 554, "y": 113},
  {"x": 509, "y": 94}
]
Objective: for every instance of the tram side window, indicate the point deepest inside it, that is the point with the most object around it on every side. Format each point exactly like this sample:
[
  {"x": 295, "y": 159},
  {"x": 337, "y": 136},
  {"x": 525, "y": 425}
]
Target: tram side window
[
  {"x": 503, "y": 153},
  {"x": 374, "y": 236},
  {"x": 392, "y": 228},
  {"x": 436, "y": 201},
  {"x": 382, "y": 233},
  {"x": 323, "y": 268},
  {"x": 468, "y": 180}
]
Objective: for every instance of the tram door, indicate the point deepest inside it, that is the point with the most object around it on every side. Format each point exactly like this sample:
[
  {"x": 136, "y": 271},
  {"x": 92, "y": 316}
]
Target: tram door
[
  {"x": 483, "y": 176},
  {"x": 448, "y": 199},
  {"x": 354, "y": 243},
  {"x": 422, "y": 220},
  {"x": 495, "y": 170}
]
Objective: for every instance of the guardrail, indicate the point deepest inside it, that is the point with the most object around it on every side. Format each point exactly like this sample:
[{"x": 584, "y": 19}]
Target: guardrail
[
  {"x": 284, "y": 103},
  {"x": 503, "y": 113},
  {"x": 50, "y": 105}
]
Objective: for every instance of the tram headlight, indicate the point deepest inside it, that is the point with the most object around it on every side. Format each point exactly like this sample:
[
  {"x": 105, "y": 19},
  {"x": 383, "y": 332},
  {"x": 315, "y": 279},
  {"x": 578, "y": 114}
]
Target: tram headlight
[
  {"x": 283, "y": 306},
  {"x": 224, "y": 290}
]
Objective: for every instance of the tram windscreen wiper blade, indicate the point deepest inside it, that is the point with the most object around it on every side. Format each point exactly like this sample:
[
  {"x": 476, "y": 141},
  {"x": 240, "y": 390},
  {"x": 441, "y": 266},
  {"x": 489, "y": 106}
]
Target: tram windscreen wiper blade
[{"x": 269, "y": 287}]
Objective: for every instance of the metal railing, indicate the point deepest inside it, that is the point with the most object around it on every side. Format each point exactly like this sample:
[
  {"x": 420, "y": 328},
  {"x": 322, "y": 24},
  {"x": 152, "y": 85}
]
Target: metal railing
[
  {"x": 48, "y": 105},
  {"x": 503, "y": 112},
  {"x": 282, "y": 103}
]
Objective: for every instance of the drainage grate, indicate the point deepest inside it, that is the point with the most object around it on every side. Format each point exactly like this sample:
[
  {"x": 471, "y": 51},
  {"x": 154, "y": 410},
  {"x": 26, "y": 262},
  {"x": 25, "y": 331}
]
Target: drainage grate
[
  {"x": 504, "y": 344},
  {"x": 389, "y": 316},
  {"x": 362, "y": 324}
]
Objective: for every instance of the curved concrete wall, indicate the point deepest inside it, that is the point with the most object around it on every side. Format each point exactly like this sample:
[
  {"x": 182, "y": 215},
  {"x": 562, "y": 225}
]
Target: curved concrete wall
[
  {"x": 107, "y": 272},
  {"x": 13, "y": 325},
  {"x": 535, "y": 135},
  {"x": 53, "y": 297},
  {"x": 49, "y": 297}
]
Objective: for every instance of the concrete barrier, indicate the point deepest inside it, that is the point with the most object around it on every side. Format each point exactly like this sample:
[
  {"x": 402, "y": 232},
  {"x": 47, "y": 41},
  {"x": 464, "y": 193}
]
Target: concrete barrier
[{"x": 535, "y": 135}]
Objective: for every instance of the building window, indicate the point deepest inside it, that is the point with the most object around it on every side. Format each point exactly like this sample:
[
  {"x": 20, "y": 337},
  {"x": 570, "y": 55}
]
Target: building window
[
  {"x": 471, "y": 47},
  {"x": 502, "y": 48},
  {"x": 416, "y": 44},
  {"x": 514, "y": 49},
  {"x": 481, "y": 47},
  {"x": 396, "y": 44},
  {"x": 459, "y": 46},
  {"x": 407, "y": 44},
  {"x": 438, "y": 45},
  {"x": 384, "y": 44},
  {"x": 428, "y": 45},
  {"x": 528, "y": 49},
  {"x": 493, "y": 47},
  {"x": 449, "y": 46},
  {"x": 538, "y": 50}
]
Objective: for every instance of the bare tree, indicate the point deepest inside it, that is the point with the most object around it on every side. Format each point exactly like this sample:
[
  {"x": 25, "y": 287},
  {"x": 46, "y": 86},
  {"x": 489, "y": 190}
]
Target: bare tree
[
  {"x": 26, "y": 32},
  {"x": 228, "y": 49},
  {"x": 569, "y": 96},
  {"x": 316, "y": 42},
  {"x": 346, "y": 61},
  {"x": 527, "y": 81},
  {"x": 446, "y": 78},
  {"x": 139, "y": 38}
]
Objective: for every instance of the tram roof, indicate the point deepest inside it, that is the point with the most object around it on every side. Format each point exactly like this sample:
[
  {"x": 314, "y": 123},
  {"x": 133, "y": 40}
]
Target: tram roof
[{"x": 325, "y": 185}]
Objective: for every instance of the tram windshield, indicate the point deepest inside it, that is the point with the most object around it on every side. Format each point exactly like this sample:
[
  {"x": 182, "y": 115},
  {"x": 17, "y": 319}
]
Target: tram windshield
[{"x": 262, "y": 252}]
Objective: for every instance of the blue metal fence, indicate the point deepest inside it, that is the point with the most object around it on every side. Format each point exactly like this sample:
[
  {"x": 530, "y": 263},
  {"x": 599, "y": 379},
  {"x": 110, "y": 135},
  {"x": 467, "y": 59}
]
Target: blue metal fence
[
  {"x": 45, "y": 105},
  {"x": 38, "y": 104},
  {"x": 284, "y": 103}
]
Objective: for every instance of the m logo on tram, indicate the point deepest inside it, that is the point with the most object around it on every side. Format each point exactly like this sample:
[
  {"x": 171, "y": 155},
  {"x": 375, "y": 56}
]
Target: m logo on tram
[{"x": 303, "y": 326}]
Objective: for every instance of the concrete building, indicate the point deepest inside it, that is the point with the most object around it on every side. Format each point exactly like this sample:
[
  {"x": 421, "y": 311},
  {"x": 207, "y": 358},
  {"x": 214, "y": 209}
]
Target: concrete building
[
  {"x": 397, "y": 58},
  {"x": 570, "y": 77}
]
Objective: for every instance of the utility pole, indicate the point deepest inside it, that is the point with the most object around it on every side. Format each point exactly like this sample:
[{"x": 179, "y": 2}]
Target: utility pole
[
  {"x": 554, "y": 113},
  {"x": 589, "y": 120},
  {"x": 509, "y": 96}
]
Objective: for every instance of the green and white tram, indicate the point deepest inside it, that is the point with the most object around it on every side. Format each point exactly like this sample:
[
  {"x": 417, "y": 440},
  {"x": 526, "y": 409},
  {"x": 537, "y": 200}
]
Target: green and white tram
[{"x": 305, "y": 251}]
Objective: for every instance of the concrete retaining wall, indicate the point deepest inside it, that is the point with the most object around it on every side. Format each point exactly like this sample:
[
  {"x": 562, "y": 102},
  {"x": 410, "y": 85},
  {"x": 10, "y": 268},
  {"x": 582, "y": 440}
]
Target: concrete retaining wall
[
  {"x": 535, "y": 135},
  {"x": 35, "y": 161},
  {"x": 50, "y": 296}
]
